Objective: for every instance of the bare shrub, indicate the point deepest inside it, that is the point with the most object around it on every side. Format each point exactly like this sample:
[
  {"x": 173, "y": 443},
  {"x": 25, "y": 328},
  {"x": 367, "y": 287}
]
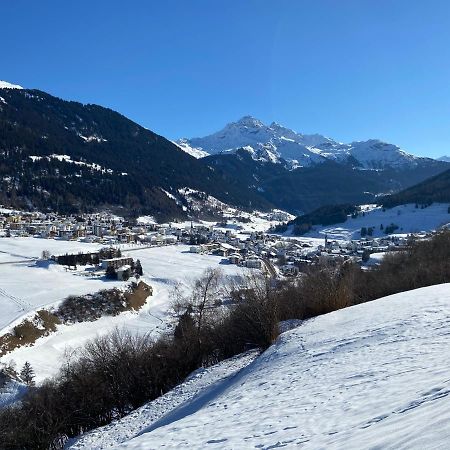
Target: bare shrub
[{"x": 252, "y": 321}]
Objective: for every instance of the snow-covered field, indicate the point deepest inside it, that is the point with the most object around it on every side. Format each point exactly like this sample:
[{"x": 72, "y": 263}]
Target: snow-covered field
[
  {"x": 27, "y": 247},
  {"x": 374, "y": 259},
  {"x": 24, "y": 287},
  {"x": 408, "y": 218},
  {"x": 372, "y": 376}
]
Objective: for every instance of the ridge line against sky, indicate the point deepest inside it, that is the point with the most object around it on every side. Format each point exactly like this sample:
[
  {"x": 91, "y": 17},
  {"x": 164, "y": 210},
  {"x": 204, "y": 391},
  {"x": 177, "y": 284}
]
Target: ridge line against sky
[{"x": 350, "y": 70}]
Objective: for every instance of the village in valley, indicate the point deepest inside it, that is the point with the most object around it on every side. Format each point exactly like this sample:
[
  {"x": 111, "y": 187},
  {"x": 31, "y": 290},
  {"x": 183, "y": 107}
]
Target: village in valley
[{"x": 244, "y": 241}]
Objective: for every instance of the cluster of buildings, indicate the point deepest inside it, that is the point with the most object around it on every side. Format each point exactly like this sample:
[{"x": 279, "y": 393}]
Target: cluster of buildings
[
  {"x": 287, "y": 257},
  {"x": 100, "y": 228},
  {"x": 297, "y": 255},
  {"x": 252, "y": 249}
]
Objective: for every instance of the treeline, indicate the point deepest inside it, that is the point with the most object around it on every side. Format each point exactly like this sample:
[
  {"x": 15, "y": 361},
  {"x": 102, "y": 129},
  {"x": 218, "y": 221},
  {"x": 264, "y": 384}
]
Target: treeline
[
  {"x": 83, "y": 259},
  {"x": 117, "y": 373},
  {"x": 328, "y": 287}
]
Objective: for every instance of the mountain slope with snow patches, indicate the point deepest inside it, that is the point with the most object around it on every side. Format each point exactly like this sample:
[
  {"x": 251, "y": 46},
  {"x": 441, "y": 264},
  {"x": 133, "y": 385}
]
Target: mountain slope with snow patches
[
  {"x": 6, "y": 85},
  {"x": 300, "y": 150},
  {"x": 36, "y": 125},
  {"x": 370, "y": 376}
]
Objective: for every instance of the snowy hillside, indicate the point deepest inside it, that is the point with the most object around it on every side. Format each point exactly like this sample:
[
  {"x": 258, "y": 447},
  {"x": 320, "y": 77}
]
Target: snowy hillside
[
  {"x": 370, "y": 376},
  {"x": 408, "y": 218},
  {"x": 195, "y": 152},
  {"x": 6, "y": 85},
  {"x": 276, "y": 143},
  {"x": 54, "y": 145}
]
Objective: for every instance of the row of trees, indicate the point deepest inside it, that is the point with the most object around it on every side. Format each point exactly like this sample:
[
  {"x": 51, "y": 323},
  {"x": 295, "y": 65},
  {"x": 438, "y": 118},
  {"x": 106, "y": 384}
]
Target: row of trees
[
  {"x": 119, "y": 372},
  {"x": 83, "y": 259}
]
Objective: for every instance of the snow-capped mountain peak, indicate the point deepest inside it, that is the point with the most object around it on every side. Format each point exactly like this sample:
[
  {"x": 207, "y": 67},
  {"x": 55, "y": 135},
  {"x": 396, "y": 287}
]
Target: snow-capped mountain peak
[
  {"x": 277, "y": 143},
  {"x": 248, "y": 121},
  {"x": 6, "y": 85}
]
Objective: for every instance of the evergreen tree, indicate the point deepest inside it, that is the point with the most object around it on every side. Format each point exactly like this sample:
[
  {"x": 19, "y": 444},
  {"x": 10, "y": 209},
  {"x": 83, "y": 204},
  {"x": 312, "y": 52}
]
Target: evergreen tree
[
  {"x": 27, "y": 374},
  {"x": 111, "y": 273},
  {"x": 138, "y": 268}
]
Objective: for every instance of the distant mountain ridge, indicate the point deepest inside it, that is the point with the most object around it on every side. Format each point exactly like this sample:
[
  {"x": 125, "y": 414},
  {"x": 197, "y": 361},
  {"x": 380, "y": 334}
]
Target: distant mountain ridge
[
  {"x": 276, "y": 143},
  {"x": 6, "y": 85}
]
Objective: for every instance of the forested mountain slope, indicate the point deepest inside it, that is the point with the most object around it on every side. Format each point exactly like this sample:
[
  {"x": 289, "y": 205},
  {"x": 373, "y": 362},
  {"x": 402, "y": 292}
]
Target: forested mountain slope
[
  {"x": 70, "y": 157},
  {"x": 435, "y": 189}
]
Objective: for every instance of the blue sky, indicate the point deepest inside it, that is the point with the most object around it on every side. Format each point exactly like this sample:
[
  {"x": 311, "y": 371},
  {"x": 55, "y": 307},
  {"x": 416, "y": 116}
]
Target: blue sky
[{"x": 351, "y": 70}]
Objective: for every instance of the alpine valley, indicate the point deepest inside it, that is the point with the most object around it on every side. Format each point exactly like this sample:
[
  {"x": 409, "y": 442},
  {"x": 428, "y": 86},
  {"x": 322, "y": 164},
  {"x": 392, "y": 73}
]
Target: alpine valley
[
  {"x": 67, "y": 157},
  {"x": 300, "y": 172}
]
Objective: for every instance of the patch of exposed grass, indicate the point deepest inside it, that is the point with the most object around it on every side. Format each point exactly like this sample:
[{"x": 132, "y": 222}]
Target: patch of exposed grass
[
  {"x": 75, "y": 309},
  {"x": 29, "y": 331}
]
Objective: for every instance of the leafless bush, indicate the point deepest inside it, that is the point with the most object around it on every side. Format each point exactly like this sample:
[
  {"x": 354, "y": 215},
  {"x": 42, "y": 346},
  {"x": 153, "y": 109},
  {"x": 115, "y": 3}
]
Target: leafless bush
[{"x": 252, "y": 320}]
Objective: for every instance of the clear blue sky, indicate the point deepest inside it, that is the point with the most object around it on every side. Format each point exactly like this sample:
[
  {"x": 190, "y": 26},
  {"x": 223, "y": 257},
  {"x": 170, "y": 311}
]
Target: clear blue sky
[{"x": 349, "y": 69}]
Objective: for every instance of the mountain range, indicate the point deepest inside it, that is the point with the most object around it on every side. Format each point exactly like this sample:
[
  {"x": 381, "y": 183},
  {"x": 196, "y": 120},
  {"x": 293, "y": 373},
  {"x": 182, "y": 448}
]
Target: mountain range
[
  {"x": 278, "y": 144},
  {"x": 64, "y": 156},
  {"x": 300, "y": 172}
]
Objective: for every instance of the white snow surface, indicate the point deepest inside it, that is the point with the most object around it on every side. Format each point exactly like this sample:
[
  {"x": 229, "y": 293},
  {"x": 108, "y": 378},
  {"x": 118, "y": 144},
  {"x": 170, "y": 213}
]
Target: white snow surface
[
  {"x": 276, "y": 143},
  {"x": 372, "y": 376},
  {"x": 26, "y": 287},
  {"x": 6, "y": 85},
  {"x": 146, "y": 220},
  {"x": 408, "y": 218},
  {"x": 202, "y": 381},
  {"x": 195, "y": 152}
]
